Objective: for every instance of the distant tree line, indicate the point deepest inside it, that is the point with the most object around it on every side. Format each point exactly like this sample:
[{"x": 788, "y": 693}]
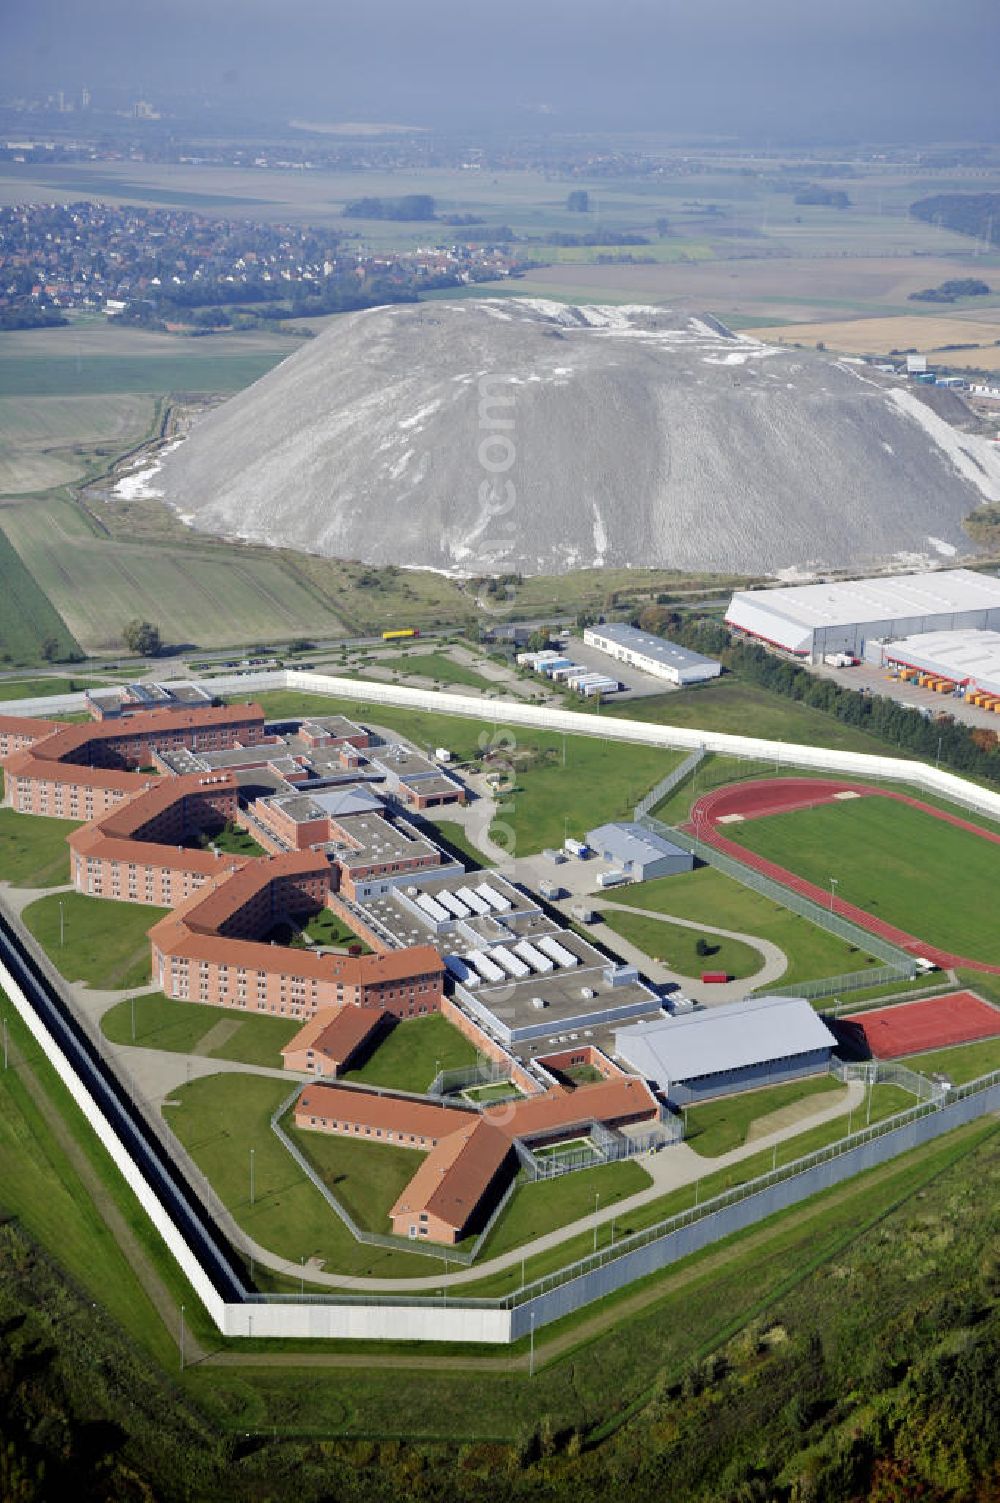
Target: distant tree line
[
  {"x": 948, "y": 291},
  {"x": 963, "y": 748},
  {"x": 967, "y": 213},
  {"x": 410, "y": 206},
  {"x": 31, "y": 317},
  {"x": 596, "y": 237},
  {"x": 829, "y": 198}
]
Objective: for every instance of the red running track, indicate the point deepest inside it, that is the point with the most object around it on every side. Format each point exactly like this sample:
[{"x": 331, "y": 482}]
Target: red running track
[
  {"x": 765, "y": 796},
  {"x": 913, "y": 1027}
]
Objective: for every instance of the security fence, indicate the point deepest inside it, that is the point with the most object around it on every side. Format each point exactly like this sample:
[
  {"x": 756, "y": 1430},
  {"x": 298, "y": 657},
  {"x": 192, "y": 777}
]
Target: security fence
[{"x": 667, "y": 785}]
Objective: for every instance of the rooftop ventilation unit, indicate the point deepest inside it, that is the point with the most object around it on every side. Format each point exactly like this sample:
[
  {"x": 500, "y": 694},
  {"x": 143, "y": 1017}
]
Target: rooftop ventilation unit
[{"x": 539, "y": 1002}]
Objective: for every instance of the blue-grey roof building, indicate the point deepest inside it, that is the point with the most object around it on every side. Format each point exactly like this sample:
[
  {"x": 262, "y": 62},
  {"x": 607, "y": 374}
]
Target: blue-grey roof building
[
  {"x": 737, "y": 1047},
  {"x": 653, "y": 655},
  {"x": 639, "y": 852}
]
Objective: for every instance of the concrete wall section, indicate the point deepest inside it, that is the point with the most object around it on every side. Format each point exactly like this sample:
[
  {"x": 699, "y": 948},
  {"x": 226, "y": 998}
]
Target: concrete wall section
[{"x": 367, "y": 1321}]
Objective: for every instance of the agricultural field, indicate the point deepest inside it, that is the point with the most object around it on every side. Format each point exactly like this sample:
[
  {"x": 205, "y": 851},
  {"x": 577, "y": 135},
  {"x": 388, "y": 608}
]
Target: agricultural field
[
  {"x": 708, "y": 896},
  {"x": 411, "y": 1055},
  {"x": 96, "y": 940},
  {"x": 198, "y": 595},
  {"x": 881, "y": 336},
  {"x": 676, "y": 946},
  {"x": 888, "y": 859},
  {"x": 28, "y": 619},
  {"x": 192, "y": 1028},
  {"x": 46, "y": 441}
]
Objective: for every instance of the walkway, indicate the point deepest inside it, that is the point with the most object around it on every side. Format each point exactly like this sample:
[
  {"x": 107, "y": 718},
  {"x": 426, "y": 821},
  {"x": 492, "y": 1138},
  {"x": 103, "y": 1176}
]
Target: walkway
[{"x": 775, "y": 960}]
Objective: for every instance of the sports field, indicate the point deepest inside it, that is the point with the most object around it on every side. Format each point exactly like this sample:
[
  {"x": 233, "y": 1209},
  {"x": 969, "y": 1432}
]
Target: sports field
[
  {"x": 938, "y": 1022},
  {"x": 906, "y": 867}
]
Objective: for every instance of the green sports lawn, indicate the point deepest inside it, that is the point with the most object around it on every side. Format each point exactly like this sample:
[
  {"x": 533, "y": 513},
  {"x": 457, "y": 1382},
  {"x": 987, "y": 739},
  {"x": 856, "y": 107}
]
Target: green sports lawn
[
  {"x": 709, "y": 896},
  {"x": 928, "y": 877},
  {"x": 718, "y": 1126},
  {"x": 103, "y": 942},
  {"x": 962, "y": 1063}
]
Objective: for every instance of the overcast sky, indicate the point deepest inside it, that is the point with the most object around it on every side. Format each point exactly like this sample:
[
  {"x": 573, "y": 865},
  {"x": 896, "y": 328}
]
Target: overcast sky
[{"x": 782, "y": 69}]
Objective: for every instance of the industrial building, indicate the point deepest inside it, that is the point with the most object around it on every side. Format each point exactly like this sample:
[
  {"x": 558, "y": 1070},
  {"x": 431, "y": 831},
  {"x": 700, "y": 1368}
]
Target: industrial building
[
  {"x": 653, "y": 655},
  {"x": 813, "y": 621},
  {"x": 967, "y": 661},
  {"x": 640, "y": 853},
  {"x": 737, "y": 1047}
]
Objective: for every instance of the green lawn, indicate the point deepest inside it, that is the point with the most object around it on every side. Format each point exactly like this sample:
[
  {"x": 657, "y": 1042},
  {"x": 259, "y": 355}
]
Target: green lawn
[
  {"x": 894, "y": 861},
  {"x": 539, "y": 1206},
  {"x": 33, "y": 849},
  {"x": 323, "y": 928},
  {"x": 219, "y": 1119},
  {"x": 676, "y": 947},
  {"x": 501, "y": 1090},
  {"x": 38, "y": 688},
  {"x": 233, "y": 840},
  {"x": 547, "y": 800},
  {"x": 410, "y": 1056},
  {"x": 367, "y": 1178},
  {"x": 718, "y": 1126},
  {"x": 185, "y": 1028},
  {"x": 709, "y": 896},
  {"x": 104, "y": 942},
  {"x": 726, "y": 704},
  {"x": 454, "y": 834},
  {"x": 436, "y": 665},
  {"x": 961, "y": 1063}
]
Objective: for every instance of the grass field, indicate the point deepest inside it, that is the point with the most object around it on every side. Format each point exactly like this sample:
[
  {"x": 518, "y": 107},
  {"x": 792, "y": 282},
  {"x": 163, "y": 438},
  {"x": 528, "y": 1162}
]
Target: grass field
[
  {"x": 49, "y": 440},
  {"x": 27, "y": 616},
  {"x": 727, "y": 704},
  {"x": 234, "y": 841},
  {"x": 709, "y": 896},
  {"x": 454, "y": 835},
  {"x": 412, "y": 1054},
  {"x": 33, "y": 849},
  {"x": 538, "y": 1207},
  {"x": 323, "y": 928},
  {"x": 719, "y": 1126},
  {"x": 367, "y": 1178},
  {"x": 191, "y": 1028},
  {"x": 37, "y": 688},
  {"x": 549, "y": 799},
  {"x": 962, "y": 1063},
  {"x": 889, "y": 859},
  {"x": 440, "y": 668},
  {"x": 104, "y": 941},
  {"x": 676, "y": 947}
]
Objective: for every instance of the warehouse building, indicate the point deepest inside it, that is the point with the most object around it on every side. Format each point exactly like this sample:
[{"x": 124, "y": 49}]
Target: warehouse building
[
  {"x": 653, "y": 655},
  {"x": 814, "y": 620},
  {"x": 737, "y": 1047},
  {"x": 967, "y": 660},
  {"x": 640, "y": 853}
]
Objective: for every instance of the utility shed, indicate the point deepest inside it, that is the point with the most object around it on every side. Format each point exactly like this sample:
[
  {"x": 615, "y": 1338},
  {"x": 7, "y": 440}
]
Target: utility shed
[
  {"x": 653, "y": 655},
  {"x": 722, "y": 1050},
  {"x": 640, "y": 852}
]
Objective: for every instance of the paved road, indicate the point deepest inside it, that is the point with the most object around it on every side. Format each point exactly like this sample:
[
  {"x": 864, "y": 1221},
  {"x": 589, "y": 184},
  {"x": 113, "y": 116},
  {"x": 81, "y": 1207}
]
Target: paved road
[{"x": 774, "y": 967}]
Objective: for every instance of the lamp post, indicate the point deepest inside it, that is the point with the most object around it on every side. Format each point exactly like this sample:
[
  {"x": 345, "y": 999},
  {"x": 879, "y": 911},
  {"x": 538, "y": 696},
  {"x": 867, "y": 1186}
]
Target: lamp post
[
  {"x": 62, "y": 923},
  {"x": 132, "y": 1001},
  {"x": 834, "y": 884},
  {"x": 251, "y": 1177},
  {"x": 597, "y": 1201},
  {"x": 182, "y": 1338}
]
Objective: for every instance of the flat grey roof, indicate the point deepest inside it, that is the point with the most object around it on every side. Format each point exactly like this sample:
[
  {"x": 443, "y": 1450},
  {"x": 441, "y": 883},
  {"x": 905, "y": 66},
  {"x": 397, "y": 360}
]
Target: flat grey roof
[
  {"x": 731, "y": 1037},
  {"x": 670, "y": 654},
  {"x": 899, "y": 596},
  {"x": 632, "y": 842}
]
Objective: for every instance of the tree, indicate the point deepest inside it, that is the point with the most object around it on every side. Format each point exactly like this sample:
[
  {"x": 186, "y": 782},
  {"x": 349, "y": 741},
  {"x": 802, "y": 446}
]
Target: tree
[
  {"x": 662, "y": 227},
  {"x": 142, "y": 638},
  {"x": 578, "y": 202},
  {"x": 539, "y": 640},
  {"x": 50, "y": 649}
]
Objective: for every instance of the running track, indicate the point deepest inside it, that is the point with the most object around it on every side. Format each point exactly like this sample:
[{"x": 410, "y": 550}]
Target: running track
[{"x": 780, "y": 795}]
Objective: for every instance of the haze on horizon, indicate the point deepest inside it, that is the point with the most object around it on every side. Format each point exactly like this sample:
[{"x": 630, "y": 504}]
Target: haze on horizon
[{"x": 778, "y": 70}]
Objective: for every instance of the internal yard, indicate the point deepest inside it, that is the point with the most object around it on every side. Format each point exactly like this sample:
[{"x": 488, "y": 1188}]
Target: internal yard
[
  {"x": 367, "y": 1178},
  {"x": 192, "y": 1028},
  {"x": 718, "y": 1126},
  {"x": 708, "y": 896},
  {"x": 97, "y": 940},
  {"x": 33, "y": 849},
  {"x": 539, "y": 1206},
  {"x": 894, "y": 861},
  {"x": 413, "y": 1053},
  {"x": 233, "y": 840},
  {"x": 322, "y": 928},
  {"x": 677, "y": 947}
]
